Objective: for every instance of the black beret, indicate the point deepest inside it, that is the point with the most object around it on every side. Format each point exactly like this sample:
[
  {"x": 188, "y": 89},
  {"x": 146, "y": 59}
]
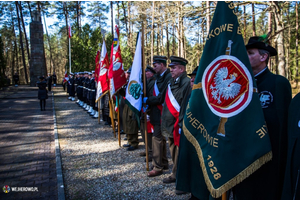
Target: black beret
[
  {"x": 177, "y": 61},
  {"x": 159, "y": 59},
  {"x": 194, "y": 72},
  {"x": 150, "y": 69},
  {"x": 129, "y": 70},
  {"x": 257, "y": 42}
]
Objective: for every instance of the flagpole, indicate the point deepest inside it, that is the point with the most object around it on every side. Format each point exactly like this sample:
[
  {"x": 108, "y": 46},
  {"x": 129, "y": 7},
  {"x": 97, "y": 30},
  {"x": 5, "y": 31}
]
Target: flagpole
[
  {"x": 118, "y": 115},
  {"x": 111, "y": 114},
  {"x": 144, "y": 91},
  {"x": 70, "y": 54},
  {"x": 224, "y": 196},
  {"x": 98, "y": 112}
]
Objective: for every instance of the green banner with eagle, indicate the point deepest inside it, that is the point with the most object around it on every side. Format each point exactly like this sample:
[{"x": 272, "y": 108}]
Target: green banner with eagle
[{"x": 225, "y": 138}]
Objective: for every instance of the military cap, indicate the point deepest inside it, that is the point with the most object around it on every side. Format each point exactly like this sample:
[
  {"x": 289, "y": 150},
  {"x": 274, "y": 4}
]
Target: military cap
[
  {"x": 72, "y": 73},
  {"x": 129, "y": 70},
  {"x": 194, "y": 72},
  {"x": 259, "y": 42},
  {"x": 85, "y": 72},
  {"x": 90, "y": 73},
  {"x": 177, "y": 61},
  {"x": 41, "y": 77},
  {"x": 93, "y": 72},
  {"x": 159, "y": 59},
  {"x": 150, "y": 69}
]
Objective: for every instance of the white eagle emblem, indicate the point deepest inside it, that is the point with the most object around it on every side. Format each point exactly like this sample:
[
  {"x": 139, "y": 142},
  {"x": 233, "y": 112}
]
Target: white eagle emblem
[{"x": 225, "y": 87}]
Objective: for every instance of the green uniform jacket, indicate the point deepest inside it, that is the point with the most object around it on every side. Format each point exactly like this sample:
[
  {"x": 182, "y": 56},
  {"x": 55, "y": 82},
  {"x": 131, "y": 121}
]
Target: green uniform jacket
[
  {"x": 181, "y": 90},
  {"x": 153, "y": 101},
  {"x": 275, "y": 97},
  {"x": 293, "y": 157}
]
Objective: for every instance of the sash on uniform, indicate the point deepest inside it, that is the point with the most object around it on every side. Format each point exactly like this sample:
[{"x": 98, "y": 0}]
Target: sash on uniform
[
  {"x": 156, "y": 93},
  {"x": 150, "y": 128},
  {"x": 174, "y": 109}
]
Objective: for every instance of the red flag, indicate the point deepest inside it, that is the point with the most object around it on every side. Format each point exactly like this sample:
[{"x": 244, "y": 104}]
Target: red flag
[
  {"x": 116, "y": 71},
  {"x": 66, "y": 77},
  {"x": 103, "y": 81},
  {"x": 69, "y": 31},
  {"x": 97, "y": 67}
]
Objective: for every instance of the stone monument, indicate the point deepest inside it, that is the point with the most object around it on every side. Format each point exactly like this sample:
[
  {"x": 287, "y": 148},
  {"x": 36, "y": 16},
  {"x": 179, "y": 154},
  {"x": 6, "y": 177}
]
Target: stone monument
[{"x": 37, "y": 60}]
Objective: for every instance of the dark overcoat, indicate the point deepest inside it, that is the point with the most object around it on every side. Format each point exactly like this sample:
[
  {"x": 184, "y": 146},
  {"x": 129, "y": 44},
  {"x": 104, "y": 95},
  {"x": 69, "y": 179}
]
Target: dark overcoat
[{"x": 42, "y": 92}]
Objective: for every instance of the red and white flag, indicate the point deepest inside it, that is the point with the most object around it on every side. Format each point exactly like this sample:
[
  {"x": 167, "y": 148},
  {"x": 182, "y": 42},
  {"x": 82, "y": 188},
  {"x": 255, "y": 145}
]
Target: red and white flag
[
  {"x": 66, "y": 77},
  {"x": 174, "y": 109},
  {"x": 102, "y": 74},
  {"x": 116, "y": 71},
  {"x": 70, "y": 31}
]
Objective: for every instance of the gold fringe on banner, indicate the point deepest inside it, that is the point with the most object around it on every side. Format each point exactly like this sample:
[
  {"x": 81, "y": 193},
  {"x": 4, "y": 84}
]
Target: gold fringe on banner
[{"x": 217, "y": 192}]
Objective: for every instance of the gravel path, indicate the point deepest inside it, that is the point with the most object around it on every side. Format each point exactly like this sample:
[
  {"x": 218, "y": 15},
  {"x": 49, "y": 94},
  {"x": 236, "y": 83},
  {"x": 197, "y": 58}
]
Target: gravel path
[{"x": 95, "y": 167}]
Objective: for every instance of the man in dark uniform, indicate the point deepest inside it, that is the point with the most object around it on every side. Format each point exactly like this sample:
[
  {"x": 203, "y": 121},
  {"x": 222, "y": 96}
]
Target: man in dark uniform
[
  {"x": 155, "y": 100},
  {"x": 178, "y": 92},
  {"x": 291, "y": 188},
  {"x": 79, "y": 90},
  {"x": 16, "y": 79},
  {"x": 54, "y": 78},
  {"x": 71, "y": 87},
  {"x": 275, "y": 97},
  {"x": 84, "y": 93},
  {"x": 49, "y": 82},
  {"x": 193, "y": 76},
  {"x": 130, "y": 124},
  {"x": 93, "y": 108},
  {"x": 150, "y": 79}
]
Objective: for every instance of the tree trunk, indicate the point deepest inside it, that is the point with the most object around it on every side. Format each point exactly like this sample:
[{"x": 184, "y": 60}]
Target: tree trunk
[
  {"x": 253, "y": 20},
  {"x": 23, "y": 24},
  {"x": 280, "y": 41},
  {"x": 125, "y": 17},
  {"x": 167, "y": 33},
  {"x": 173, "y": 46},
  {"x": 296, "y": 48},
  {"x": 29, "y": 7},
  {"x": 112, "y": 21},
  {"x": 152, "y": 32},
  {"x": 287, "y": 67},
  {"x": 207, "y": 16},
  {"x": 21, "y": 42},
  {"x": 245, "y": 23}
]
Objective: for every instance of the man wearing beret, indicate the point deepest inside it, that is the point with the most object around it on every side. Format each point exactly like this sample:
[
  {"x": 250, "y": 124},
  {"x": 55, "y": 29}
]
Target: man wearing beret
[
  {"x": 130, "y": 123},
  {"x": 275, "y": 97},
  {"x": 155, "y": 100},
  {"x": 291, "y": 188},
  {"x": 178, "y": 92},
  {"x": 150, "y": 79},
  {"x": 193, "y": 76}
]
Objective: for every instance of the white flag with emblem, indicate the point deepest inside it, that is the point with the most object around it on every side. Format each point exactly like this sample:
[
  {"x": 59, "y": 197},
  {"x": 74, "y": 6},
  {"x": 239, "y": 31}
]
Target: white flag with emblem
[{"x": 135, "y": 86}]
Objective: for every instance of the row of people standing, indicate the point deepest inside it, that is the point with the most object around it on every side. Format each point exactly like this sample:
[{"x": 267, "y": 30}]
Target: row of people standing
[{"x": 84, "y": 85}]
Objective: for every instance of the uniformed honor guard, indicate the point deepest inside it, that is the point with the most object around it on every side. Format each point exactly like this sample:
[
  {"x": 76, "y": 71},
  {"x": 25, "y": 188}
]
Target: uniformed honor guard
[
  {"x": 93, "y": 108},
  {"x": 84, "y": 93},
  {"x": 291, "y": 188},
  {"x": 71, "y": 87},
  {"x": 155, "y": 100},
  {"x": 130, "y": 124},
  {"x": 80, "y": 89},
  {"x": 275, "y": 97},
  {"x": 177, "y": 94},
  {"x": 150, "y": 79}
]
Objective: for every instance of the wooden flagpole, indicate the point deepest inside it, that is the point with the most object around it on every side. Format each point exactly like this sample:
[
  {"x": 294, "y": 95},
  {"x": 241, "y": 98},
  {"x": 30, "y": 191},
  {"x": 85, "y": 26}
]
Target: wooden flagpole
[
  {"x": 118, "y": 115},
  {"x": 111, "y": 114},
  {"x": 144, "y": 91},
  {"x": 98, "y": 112},
  {"x": 224, "y": 196}
]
